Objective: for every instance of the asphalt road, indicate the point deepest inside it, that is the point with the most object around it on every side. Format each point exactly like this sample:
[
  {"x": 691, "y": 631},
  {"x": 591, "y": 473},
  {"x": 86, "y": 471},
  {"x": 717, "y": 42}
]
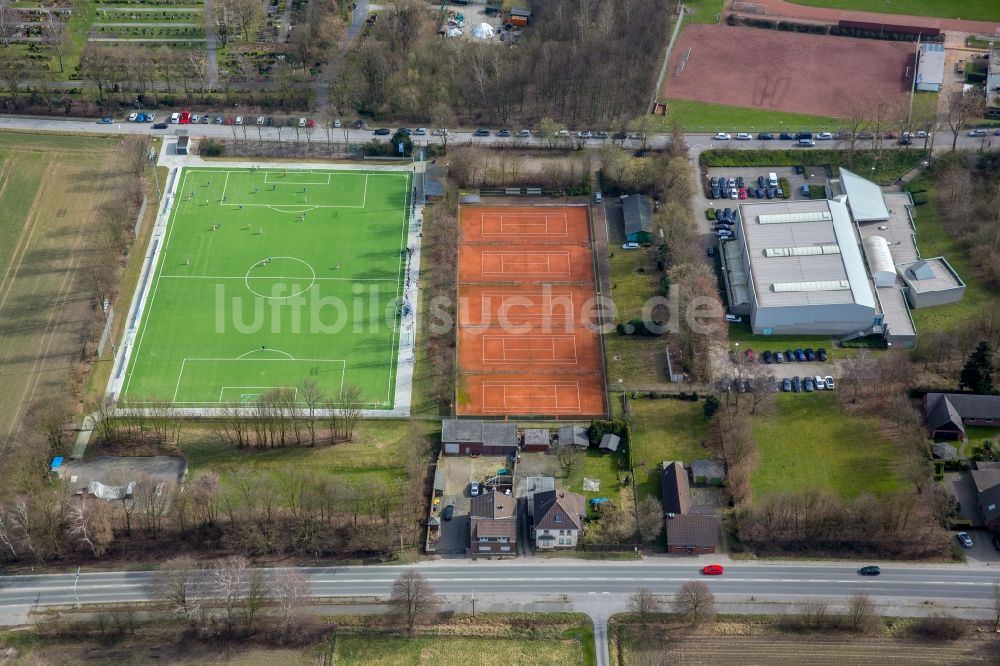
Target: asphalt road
[
  {"x": 959, "y": 586},
  {"x": 942, "y": 141}
]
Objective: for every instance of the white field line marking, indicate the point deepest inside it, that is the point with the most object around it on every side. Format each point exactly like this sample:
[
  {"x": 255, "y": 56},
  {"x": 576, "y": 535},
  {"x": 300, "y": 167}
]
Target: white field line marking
[
  {"x": 268, "y": 277},
  {"x": 222, "y": 391},
  {"x": 180, "y": 375}
]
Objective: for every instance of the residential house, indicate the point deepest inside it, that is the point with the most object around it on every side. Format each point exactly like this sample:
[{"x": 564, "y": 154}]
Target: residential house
[
  {"x": 559, "y": 519},
  {"x": 493, "y": 524},
  {"x": 462, "y": 437},
  {"x": 534, "y": 485},
  {"x": 691, "y": 529},
  {"x": 947, "y": 414},
  {"x": 675, "y": 491}
]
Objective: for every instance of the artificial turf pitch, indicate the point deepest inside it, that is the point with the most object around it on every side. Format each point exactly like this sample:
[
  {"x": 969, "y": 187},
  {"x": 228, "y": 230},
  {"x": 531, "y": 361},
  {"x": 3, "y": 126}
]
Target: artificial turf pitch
[{"x": 270, "y": 278}]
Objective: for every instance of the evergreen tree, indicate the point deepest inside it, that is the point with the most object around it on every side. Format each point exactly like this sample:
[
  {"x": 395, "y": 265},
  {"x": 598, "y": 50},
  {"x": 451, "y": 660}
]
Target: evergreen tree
[{"x": 977, "y": 374}]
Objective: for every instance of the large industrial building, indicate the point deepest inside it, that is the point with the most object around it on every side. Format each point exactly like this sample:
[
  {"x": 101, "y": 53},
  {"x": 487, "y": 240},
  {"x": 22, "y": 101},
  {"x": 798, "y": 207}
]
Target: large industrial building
[
  {"x": 993, "y": 84},
  {"x": 846, "y": 266}
]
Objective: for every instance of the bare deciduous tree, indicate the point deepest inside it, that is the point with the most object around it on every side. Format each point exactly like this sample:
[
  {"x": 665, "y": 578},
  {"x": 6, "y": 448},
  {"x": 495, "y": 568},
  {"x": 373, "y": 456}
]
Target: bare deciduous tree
[
  {"x": 650, "y": 518},
  {"x": 643, "y": 603},
  {"x": 413, "y": 600},
  {"x": 861, "y": 613},
  {"x": 89, "y": 525},
  {"x": 180, "y": 582},
  {"x": 291, "y": 591},
  {"x": 695, "y": 602}
]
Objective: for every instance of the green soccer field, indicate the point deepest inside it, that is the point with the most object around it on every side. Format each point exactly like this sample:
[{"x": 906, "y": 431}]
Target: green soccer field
[{"x": 268, "y": 279}]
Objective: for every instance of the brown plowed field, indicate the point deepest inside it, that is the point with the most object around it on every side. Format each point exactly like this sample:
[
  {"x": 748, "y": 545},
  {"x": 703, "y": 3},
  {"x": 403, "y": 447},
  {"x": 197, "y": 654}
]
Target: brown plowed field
[
  {"x": 786, "y": 71},
  {"x": 526, "y": 340}
]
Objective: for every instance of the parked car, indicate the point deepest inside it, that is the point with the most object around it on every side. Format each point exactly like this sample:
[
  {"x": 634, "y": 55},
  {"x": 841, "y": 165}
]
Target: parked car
[
  {"x": 448, "y": 512},
  {"x": 779, "y": 193},
  {"x": 585, "y": 134},
  {"x": 769, "y": 192},
  {"x": 964, "y": 539},
  {"x": 302, "y": 122},
  {"x": 482, "y": 131},
  {"x": 796, "y": 384},
  {"x": 420, "y": 131},
  {"x": 808, "y": 385},
  {"x": 978, "y": 132},
  {"x": 767, "y": 357},
  {"x": 734, "y": 319},
  {"x": 743, "y": 193},
  {"x": 600, "y": 135},
  {"x": 630, "y": 246},
  {"x": 712, "y": 570},
  {"x": 731, "y": 182},
  {"x": 382, "y": 131},
  {"x": 820, "y": 383},
  {"x": 760, "y": 193},
  {"x": 239, "y": 120},
  {"x": 779, "y": 357},
  {"x": 810, "y": 354},
  {"x": 904, "y": 141},
  {"x": 205, "y": 119},
  {"x": 185, "y": 117},
  {"x": 765, "y": 136},
  {"x": 474, "y": 489},
  {"x": 195, "y": 118},
  {"x": 821, "y": 354},
  {"x": 160, "y": 126},
  {"x": 786, "y": 385},
  {"x": 800, "y": 356},
  {"x": 824, "y": 136},
  {"x": 828, "y": 380},
  {"x": 805, "y": 143},
  {"x": 790, "y": 355},
  {"x": 218, "y": 120},
  {"x": 260, "y": 120},
  {"x": 269, "y": 121},
  {"x": 404, "y": 130},
  {"x": 441, "y": 132},
  {"x": 336, "y": 123},
  {"x": 761, "y": 181},
  {"x": 870, "y": 570},
  {"x": 749, "y": 353},
  {"x": 743, "y": 136},
  {"x": 786, "y": 136},
  {"x": 150, "y": 116},
  {"x": 716, "y": 193},
  {"x": 711, "y": 250},
  {"x": 141, "y": 118},
  {"x": 805, "y": 190},
  {"x": 721, "y": 136},
  {"x": 798, "y": 169},
  {"x": 504, "y": 133}
]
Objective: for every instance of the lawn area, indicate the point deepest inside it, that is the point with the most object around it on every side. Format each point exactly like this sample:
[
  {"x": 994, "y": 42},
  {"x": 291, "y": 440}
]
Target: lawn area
[
  {"x": 933, "y": 241},
  {"x": 596, "y": 465},
  {"x": 808, "y": 441},
  {"x": 703, "y": 11},
  {"x": 883, "y": 167},
  {"x": 379, "y": 451},
  {"x": 970, "y": 10},
  {"x": 393, "y": 651},
  {"x": 663, "y": 430},
  {"x": 742, "y": 334},
  {"x": 631, "y": 282},
  {"x": 636, "y": 360},
  {"x": 702, "y": 117}
]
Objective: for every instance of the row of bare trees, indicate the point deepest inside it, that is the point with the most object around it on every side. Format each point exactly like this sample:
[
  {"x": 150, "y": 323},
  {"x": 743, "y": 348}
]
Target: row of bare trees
[{"x": 439, "y": 281}]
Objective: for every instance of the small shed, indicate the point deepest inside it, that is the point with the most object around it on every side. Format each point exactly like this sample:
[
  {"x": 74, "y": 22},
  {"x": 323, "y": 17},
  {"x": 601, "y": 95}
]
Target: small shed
[
  {"x": 944, "y": 451},
  {"x": 707, "y": 472},
  {"x": 435, "y": 183},
  {"x": 520, "y": 16},
  {"x": 575, "y": 435},
  {"x": 536, "y": 439},
  {"x": 183, "y": 144},
  {"x": 638, "y": 212},
  {"x": 609, "y": 443}
]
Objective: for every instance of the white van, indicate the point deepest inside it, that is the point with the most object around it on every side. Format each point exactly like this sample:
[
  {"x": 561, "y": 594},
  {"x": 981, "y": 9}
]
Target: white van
[
  {"x": 772, "y": 179},
  {"x": 175, "y": 118}
]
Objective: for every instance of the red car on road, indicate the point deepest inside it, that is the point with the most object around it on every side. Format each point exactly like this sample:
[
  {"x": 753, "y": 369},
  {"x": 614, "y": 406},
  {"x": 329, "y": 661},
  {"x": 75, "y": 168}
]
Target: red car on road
[
  {"x": 185, "y": 117},
  {"x": 712, "y": 570}
]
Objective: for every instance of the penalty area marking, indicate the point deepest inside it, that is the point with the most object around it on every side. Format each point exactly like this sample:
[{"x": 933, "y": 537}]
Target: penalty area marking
[{"x": 242, "y": 359}]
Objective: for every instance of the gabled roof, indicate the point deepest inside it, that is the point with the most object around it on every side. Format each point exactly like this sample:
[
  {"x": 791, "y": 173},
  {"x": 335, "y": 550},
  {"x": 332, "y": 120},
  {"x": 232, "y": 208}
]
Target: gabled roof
[
  {"x": 609, "y": 443},
  {"x": 864, "y": 197},
  {"x": 576, "y": 435},
  {"x": 967, "y": 405},
  {"x": 696, "y": 531},
  {"x": 559, "y": 510},
  {"x": 638, "y": 212},
  {"x": 493, "y": 505},
  {"x": 674, "y": 488},
  {"x": 941, "y": 413},
  {"x": 482, "y": 527},
  {"x": 989, "y": 503}
]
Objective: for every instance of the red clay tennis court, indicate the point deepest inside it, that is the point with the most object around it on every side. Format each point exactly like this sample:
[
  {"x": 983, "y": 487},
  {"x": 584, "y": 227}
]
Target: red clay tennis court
[{"x": 526, "y": 288}]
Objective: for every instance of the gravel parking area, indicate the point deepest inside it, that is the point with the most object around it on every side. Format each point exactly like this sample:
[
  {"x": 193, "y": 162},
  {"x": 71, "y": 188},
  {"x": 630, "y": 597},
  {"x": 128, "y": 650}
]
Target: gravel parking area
[{"x": 459, "y": 471}]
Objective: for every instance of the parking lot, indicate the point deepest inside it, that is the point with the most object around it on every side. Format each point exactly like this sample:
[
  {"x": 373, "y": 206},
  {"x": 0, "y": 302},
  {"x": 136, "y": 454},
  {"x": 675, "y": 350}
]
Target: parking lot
[
  {"x": 116, "y": 471},
  {"x": 459, "y": 471}
]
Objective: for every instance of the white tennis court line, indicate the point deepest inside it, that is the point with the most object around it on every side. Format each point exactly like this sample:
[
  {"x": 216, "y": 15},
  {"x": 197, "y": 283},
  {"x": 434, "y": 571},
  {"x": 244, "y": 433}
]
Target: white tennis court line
[
  {"x": 521, "y": 267},
  {"x": 545, "y": 302},
  {"x": 555, "y": 386},
  {"x": 545, "y": 343},
  {"x": 544, "y": 223}
]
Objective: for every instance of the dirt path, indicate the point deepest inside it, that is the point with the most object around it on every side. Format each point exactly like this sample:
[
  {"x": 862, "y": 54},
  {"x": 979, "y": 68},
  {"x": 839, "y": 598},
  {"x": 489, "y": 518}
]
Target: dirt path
[{"x": 788, "y": 9}]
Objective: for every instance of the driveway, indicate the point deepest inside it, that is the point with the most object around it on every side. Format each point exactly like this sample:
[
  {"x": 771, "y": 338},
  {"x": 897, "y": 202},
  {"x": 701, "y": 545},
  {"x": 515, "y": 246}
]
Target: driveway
[
  {"x": 960, "y": 485},
  {"x": 459, "y": 471}
]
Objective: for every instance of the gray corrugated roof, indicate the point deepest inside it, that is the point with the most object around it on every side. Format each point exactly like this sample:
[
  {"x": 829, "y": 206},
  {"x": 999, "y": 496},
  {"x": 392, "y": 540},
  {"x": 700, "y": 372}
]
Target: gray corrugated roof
[
  {"x": 500, "y": 434},
  {"x": 768, "y": 271},
  {"x": 455, "y": 430},
  {"x": 864, "y": 197},
  {"x": 574, "y": 435},
  {"x": 638, "y": 212},
  {"x": 536, "y": 436}
]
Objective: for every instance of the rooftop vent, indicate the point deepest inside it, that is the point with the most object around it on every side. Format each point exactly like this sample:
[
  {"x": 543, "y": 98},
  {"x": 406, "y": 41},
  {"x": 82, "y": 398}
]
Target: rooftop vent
[
  {"x": 785, "y": 218},
  {"x": 820, "y": 285}
]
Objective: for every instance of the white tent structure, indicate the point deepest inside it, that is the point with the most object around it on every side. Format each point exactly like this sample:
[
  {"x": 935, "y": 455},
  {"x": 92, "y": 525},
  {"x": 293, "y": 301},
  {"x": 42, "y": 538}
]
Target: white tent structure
[
  {"x": 880, "y": 261},
  {"x": 483, "y": 31}
]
